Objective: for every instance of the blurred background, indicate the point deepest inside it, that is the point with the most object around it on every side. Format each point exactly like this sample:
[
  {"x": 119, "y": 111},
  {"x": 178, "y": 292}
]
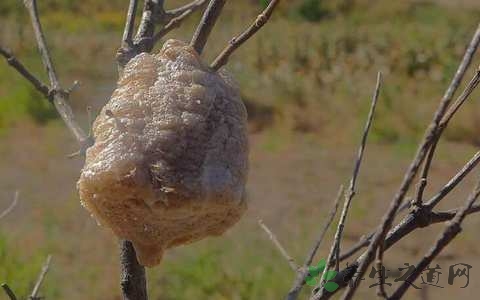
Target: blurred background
[{"x": 306, "y": 79}]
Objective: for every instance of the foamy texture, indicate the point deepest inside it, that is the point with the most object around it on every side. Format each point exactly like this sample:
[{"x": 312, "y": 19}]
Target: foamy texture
[{"x": 169, "y": 163}]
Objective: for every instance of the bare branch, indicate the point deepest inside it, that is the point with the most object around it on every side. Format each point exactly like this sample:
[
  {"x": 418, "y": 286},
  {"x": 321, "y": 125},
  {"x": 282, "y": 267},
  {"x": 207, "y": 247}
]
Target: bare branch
[
  {"x": 41, "y": 277},
  {"x": 209, "y": 18},
  {"x": 172, "y": 24},
  {"x": 445, "y": 190},
  {"x": 273, "y": 238},
  {"x": 133, "y": 281},
  {"x": 303, "y": 272},
  {"x": 11, "y": 206},
  {"x": 192, "y": 6},
  {"x": 236, "y": 42},
  {"x": 153, "y": 12},
  {"x": 335, "y": 249},
  {"x": 59, "y": 95},
  {"x": 17, "y": 65},
  {"x": 365, "y": 239},
  {"x": 452, "y": 229},
  {"x": 127, "y": 39},
  {"x": 422, "y": 151},
  {"x": 381, "y": 292},
  {"x": 447, "y": 98},
  {"x": 9, "y": 291},
  {"x": 418, "y": 217}
]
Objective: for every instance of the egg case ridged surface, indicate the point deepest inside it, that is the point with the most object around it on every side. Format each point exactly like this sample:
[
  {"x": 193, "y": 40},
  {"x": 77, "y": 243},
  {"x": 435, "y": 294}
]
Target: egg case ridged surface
[{"x": 169, "y": 163}]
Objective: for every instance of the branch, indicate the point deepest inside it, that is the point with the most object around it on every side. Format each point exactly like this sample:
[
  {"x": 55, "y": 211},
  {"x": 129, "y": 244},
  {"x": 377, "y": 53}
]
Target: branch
[
  {"x": 59, "y": 95},
  {"x": 192, "y": 6},
  {"x": 452, "y": 229},
  {"x": 127, "y": 39},
  {"x": 133, "y": 281},
  {"x": 452, "y": 183},
  {"x": 236, "y": 42},
  {"x": 17, "y": 65},
  {"x": 303, "y": 271},
  {"x": 173, "y": 23},
  {"x": 335, "y": 249},
  {"x": 10, "y": 207},
  {"x": 447, "y": 98},
  {"x": 422, "y": 151},
  {"x": 273, "y": 238},
  {"x": 9, "y": 291},
  {"x": 41, "y": 277},
  {"x": 209, "y": 18},
  {"x": 418, "y": 217},
  {"x": 365, "y": 240}
]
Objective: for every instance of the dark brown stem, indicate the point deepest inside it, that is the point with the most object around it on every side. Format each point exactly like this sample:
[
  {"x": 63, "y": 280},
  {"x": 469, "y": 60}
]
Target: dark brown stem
[
  {"x": 133, "y": 280},
  {"x": 9, "y": 291}
]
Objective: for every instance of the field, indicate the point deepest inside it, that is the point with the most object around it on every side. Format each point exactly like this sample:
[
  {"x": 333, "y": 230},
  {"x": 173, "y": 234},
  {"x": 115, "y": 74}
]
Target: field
[{"x": 306, "y": 78}]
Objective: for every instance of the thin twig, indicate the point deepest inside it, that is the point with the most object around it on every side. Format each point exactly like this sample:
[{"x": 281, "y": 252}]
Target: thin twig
[
  {"x": 192, "y": 6},
  {"x": 60, "y": 97},
  {"x": 17, "y": 65},
  {"x": 381, "y": 292},
  {"x": 204, "y": 28},
  {"x": 422, "y": 151},
  {"x": 335, "y": 249},
  {"x": 447, "y": 98},
  {"x": 172, "y": 24},
  {"x": 365, "y": 239},
  {"x": 41, "y": 277},
  {"x": 418, "y": 217},
  {"x": 236, "y": 42},
  {"x": 11, "y": 206},
  {"x": 127, "y": 39},
  {"x": 273, "y": 238},
  {"x": 452, "y": 183},
  {"x": 453, "y": 228},
  {"x": 303, "y": 272},
  {"x": 9, "y": 291}
]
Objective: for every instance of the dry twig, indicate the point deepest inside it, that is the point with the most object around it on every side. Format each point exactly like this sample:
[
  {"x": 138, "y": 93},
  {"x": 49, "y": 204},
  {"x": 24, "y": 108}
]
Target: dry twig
[
  {"x": 452, "y": 229},
  {"x": 209, "y": 18},
  {"x": 303, "y": 271},
  {"x": 236, "y": 42},
  {"x": 335, "y": 249},
  {"x": 420, "y": 156},
  {"x": 41, "y": 277},
  {"x": 11, "y": 206},
  {"x": 273, "y": 238}
]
